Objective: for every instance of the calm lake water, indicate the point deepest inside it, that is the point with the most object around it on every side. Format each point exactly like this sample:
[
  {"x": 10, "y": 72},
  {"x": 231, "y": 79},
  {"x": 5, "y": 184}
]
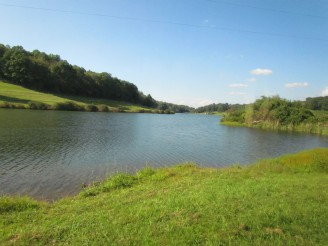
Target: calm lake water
[{"x": 49, "y": 154}]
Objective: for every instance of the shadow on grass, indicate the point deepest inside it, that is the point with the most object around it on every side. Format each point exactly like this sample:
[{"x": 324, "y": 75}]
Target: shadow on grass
[
  {"x": 13, "y": 99},
  {"x": 123, "y": 105}
]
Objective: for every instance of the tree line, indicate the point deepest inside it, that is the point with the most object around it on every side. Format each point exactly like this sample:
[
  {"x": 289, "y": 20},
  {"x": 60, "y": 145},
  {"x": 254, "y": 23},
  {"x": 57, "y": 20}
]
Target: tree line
[
  {"x": 317, "y": 103},
  {"x": 312, "y": 103},
  {"x": 218, "y": 107}
]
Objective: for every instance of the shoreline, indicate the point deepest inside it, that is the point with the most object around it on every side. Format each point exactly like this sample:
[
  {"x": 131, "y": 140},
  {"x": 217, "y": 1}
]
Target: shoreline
[{"x": 151, "y": 170}]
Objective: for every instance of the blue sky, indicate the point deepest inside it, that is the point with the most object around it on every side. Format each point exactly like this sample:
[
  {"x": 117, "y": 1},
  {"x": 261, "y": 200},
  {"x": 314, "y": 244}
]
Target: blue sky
[{"x": 228, "y": 51}]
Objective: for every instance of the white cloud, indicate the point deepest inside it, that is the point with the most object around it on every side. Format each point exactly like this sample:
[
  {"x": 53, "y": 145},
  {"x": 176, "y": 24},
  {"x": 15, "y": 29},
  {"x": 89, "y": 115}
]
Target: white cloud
[
  {"x": 206, "y": 21},
  {"x": 252, "y": 79},
  {"x": 296, "y": 84},
  {"x": 238, "y": 85},
  {"x": 325, "y": 92},
  {"x": 237, "y": 93},
  {"x": 204, "y": 102},
  {"x": 261, "y": 71}
]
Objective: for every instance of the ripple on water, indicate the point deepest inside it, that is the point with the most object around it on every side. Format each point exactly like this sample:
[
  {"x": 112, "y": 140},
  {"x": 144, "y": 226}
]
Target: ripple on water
[{"x": 50, "y": 154}]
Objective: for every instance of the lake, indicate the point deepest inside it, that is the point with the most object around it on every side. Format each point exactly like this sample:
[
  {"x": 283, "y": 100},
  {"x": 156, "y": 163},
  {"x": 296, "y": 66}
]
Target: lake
[{"x": 50, "y": 154}]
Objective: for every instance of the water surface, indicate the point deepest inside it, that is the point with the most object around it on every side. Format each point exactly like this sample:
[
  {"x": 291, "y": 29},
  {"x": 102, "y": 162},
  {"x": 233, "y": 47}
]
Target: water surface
[{"x": 49, "y": 154}]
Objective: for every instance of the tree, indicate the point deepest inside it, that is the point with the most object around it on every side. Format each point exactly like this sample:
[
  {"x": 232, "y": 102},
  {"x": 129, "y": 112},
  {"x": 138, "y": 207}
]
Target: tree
[
  {"x": 163, "y": 106},
  {"x": 149, "y": 101},
  {"x": 3, "y": 50},
  {"x": 17, "y": 66},
  {"x": 65, "y": 75}
]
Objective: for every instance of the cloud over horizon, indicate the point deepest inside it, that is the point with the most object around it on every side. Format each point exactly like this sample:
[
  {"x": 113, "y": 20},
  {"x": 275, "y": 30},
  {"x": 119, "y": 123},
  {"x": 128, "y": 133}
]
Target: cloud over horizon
[
  {"x": 325, "y": 92},
  {"x": 296, "y": 84},
  {"x": 238, "y": 85},
  {"x": 261, "y": 71}
]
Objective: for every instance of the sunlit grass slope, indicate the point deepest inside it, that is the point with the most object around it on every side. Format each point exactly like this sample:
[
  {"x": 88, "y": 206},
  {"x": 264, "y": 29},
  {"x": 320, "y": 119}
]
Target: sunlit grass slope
[
  {"x": 15, "y": 96},
  {"x": 280, "y": 201}
]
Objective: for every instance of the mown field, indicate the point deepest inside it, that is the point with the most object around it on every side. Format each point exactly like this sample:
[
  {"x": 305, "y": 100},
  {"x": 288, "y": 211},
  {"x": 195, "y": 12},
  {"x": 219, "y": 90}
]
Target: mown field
[
  {"x": 281, "y": 201},
  {"x": 14, "y": 96}
]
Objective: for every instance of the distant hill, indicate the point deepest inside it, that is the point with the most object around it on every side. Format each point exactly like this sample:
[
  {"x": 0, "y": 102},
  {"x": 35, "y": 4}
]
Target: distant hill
[
  {"x": 218, "y": 107},
  {"x": 49, "y": 73}
]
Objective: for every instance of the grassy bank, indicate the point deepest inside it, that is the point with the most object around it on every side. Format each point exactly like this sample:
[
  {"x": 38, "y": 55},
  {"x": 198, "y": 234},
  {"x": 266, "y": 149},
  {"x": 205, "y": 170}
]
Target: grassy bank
[
  {"x": 280, "y": 201},
  {"x": 14, "y": 96},
  {"x": 320, "y": 128}
]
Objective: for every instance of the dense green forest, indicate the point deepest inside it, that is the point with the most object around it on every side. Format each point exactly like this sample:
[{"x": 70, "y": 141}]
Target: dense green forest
[
  {"x": 49, "y": 73},
  {"x": 278, "y": 113}
]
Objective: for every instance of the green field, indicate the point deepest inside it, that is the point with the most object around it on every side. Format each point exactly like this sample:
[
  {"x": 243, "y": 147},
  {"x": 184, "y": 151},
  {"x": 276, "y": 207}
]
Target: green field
[
  {"x": 14, "y": 96},
  {"x": 280, "y": 201}
]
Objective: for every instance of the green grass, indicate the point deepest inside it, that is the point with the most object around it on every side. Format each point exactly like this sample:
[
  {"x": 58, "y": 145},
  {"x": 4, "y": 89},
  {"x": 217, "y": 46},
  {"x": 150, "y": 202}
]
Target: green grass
[
  {"x": 280, "y": 201},
  {"x": 14, "y": 96}
]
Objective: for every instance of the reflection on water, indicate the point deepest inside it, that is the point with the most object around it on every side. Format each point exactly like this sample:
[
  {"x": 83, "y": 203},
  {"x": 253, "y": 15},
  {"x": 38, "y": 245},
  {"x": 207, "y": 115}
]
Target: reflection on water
[{"x": 49, "y": 154}]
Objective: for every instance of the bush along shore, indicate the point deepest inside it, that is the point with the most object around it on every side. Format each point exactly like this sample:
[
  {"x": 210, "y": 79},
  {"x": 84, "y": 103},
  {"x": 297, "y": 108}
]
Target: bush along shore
[
  {"x": 72, "y": 106},
  {"x": 278, "y": 114},
  {"x": 281, "y": 201}
]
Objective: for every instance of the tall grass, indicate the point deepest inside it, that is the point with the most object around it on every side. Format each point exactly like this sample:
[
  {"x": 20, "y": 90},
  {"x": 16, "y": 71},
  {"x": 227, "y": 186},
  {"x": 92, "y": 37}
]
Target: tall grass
[
  {"x": 103, "y": 108},
  {"x": 308, "y": 127}
]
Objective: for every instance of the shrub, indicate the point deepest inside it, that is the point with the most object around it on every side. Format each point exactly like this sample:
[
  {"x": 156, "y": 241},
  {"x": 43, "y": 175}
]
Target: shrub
[
  {"x": 68, "y": 106},
  {"x": 90, "y": 108},
  {"x": 292, "y": 115},
  {"x": 12, "y": 105},
  {"x": 38, "y": 105},
  {"x": 168, "y": 111},
  {"x": 103, "y": 108},
  {"x": 234, "y": 115},
  {"x": 4, "y": 105}
]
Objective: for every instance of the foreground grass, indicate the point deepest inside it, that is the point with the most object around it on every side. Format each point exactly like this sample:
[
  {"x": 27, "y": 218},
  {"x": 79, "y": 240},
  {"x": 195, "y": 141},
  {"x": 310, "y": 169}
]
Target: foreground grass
[
  {"x": 14, "y": 96},
  {"x": 280, "y": 201}
]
